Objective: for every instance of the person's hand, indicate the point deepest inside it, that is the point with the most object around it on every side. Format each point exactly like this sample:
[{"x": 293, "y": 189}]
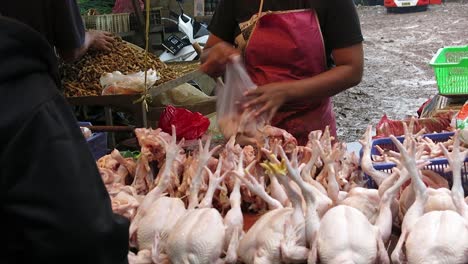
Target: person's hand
[
  {"x": 214, "y": 59},
  {"x": 267, "y": 98},
  {"x": 101, "y": 40}
]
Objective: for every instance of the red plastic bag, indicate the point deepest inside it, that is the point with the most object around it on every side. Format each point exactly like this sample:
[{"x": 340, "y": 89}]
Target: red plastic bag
[
  {"x": 188, "y": 125},
  {"x": 436, "y": 124}
]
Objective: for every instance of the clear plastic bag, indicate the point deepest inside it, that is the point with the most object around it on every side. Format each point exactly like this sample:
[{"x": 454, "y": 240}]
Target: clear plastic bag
[
  {"x": 232, "y": 120},
  {"x": 118, "y": 83}
]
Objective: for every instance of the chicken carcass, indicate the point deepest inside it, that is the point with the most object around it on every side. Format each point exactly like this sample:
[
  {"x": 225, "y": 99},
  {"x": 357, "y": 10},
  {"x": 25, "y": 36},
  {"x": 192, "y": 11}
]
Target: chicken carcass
[
  {"x": 151, "y": 143},
  {"x": 439, "y": 198},
  {"x": 359, "y": 241},
  {"x": 125, "y": 202},
  {"x": 366, "y": 162},
  {"x": 234, "y": 219},
  {"x": 126, "y": 163},
  {"x": 161, "y": 218},
  {"x": 436, "y": 236},
  {"x": 142, "y": 257},
  {"x": 275, "y": 237},
  {"x": 271, "y": 134},
  {"x": 172, "y": 149},
  {"x": 365, "y": 200},
  {"x": 198, "y": 236},
  {"x": 234, "y": 223},
  {"x": 338, "y": 236},
  {"x": 143, "y": 180}
]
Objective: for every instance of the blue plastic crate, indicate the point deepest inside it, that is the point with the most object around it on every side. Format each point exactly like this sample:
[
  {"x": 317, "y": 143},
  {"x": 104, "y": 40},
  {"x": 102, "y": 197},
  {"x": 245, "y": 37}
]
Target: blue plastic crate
[
  {"x": 97, "y": 142},
  {"x": 437, "y": 165}
]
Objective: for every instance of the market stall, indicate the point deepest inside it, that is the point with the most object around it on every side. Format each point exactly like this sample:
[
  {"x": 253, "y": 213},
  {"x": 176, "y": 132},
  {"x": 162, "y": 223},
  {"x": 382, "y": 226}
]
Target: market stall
[
  {"x": 284, "y": 202},
  {"x": 83, "y": 84},
  {"x": 212, "y": 200}
]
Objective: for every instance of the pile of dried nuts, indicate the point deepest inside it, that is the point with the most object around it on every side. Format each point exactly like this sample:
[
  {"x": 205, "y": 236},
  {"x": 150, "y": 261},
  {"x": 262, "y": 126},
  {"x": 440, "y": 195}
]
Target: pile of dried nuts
[{"x": 81, "y": 78}]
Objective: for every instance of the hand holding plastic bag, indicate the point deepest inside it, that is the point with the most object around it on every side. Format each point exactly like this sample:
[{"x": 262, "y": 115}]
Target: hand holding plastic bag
[
  {"x": 232, "y": 119},
  {"x": 118, "y": 83}
]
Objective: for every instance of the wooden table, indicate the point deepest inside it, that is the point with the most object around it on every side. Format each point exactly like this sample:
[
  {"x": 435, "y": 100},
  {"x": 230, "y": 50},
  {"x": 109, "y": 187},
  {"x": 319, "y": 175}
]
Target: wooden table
[{"x": 126, "y": 103}]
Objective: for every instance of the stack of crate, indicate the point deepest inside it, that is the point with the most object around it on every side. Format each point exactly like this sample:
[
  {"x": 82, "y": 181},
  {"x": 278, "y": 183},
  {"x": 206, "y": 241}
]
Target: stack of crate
[
  {"x": 115, "y": 23},
  {"x": 121, "y": 23}
]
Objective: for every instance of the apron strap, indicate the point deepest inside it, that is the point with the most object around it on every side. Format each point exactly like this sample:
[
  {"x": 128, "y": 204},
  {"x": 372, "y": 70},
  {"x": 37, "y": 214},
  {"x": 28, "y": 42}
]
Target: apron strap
[{"x": 260, "y": 9}]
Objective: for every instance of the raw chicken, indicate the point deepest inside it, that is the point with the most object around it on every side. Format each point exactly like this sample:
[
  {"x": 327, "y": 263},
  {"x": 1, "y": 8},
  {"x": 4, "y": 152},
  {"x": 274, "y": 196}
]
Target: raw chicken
[
  {"x": 161, "y": 218},
  {"x": 271, "y": 134},
  {"x": 143, "y": 180},
  {"x": 234, "y": 223},
  {"x": 367, "y": 201},
  {"x": 366, "y": 162},
  {"x": 244, "y": 126},
  {"x": 198, "y": 236},
  {"x": 151, "y": 143},
  {"x": 127, "y": 163},
  {"x": 143, "y": 257},
  {"x": 125, "y": 202},
  {"x": 172, "y": 149},
  {"x": 440, "y": 236},
  {"x": 203, "y": 157},
  {"x": 275, "y": 236},
  {"x": 359, "y": 241},
  {"x": 439, "y": 197}
]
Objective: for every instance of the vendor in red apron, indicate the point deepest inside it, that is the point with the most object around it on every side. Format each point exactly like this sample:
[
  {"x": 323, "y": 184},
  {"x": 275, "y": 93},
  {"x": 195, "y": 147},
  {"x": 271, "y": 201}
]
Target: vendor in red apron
[{"x": 298, "y": 56}]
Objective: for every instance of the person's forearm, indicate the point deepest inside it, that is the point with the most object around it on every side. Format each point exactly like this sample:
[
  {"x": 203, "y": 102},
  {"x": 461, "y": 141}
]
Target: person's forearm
[
  {"x": 347, "y": 73},
  {"x": 326, "y": 84},
  {"x": 72, "y": 55},
  {"x": 215, "y": 56}
]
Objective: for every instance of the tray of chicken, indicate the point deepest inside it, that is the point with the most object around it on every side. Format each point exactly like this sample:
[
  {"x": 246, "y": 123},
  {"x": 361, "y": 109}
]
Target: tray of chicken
[{"x": 310, "y": 203}]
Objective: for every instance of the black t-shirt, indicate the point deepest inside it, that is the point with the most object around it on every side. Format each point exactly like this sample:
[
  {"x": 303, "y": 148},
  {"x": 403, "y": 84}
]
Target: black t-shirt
[
  {"x": 339, "y": 21},
  {"x": 58, "y": 20},
  {"x": 54, "y": 205}
]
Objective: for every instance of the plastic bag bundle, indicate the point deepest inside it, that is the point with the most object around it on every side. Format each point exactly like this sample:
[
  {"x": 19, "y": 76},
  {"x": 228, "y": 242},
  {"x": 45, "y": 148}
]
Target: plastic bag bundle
[
  {"x": 232, "y": 120},
  {"x": 118, "y": 83},
  {"x": 189, "y": 125}
]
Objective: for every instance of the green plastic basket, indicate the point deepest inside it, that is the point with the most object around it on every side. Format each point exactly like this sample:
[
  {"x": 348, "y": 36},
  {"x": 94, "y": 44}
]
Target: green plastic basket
[{"x": 450, "y": 65}]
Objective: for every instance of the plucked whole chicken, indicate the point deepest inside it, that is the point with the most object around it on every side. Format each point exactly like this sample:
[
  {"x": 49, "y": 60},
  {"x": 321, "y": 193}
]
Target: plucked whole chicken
[{"x": 311, "y": 203}]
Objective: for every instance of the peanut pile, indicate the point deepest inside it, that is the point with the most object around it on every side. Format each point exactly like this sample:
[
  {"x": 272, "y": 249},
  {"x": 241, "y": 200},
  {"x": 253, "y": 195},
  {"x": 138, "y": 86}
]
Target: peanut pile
[{"x": 81, "y": 78}]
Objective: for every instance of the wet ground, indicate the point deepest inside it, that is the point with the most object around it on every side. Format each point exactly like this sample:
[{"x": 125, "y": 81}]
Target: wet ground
[{"x": 397, "y": 51}]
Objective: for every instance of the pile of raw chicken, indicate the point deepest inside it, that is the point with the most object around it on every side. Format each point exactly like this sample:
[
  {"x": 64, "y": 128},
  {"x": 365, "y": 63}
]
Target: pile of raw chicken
[{"x": 188, "y": 206}]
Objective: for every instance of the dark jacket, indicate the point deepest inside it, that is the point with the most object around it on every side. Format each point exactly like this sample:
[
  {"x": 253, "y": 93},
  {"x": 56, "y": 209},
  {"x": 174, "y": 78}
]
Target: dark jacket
[{"x": 53, "y": 203}]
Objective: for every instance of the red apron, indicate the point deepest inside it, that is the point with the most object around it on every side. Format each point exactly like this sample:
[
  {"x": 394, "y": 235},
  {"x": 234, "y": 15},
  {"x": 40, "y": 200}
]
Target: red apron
[{"x": 288, "y": 46}]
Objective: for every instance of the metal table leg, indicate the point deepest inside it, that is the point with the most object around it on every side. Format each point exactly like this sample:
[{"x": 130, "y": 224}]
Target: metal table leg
[{"x": 110, "y": 122}]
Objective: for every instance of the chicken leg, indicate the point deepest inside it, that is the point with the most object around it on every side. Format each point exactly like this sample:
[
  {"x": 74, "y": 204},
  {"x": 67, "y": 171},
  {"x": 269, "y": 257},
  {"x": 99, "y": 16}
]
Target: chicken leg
[
  {"x": 204, "y": 155},
  {"x": 172, "y": 150}
]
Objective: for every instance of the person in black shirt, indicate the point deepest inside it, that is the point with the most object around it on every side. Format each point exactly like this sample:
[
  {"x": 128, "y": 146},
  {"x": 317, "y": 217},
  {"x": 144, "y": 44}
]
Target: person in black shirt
[
  {"x": 60, "y": 23},
  {"x": 298, "y": 52},
  {"x": 54, "y": 205}
]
